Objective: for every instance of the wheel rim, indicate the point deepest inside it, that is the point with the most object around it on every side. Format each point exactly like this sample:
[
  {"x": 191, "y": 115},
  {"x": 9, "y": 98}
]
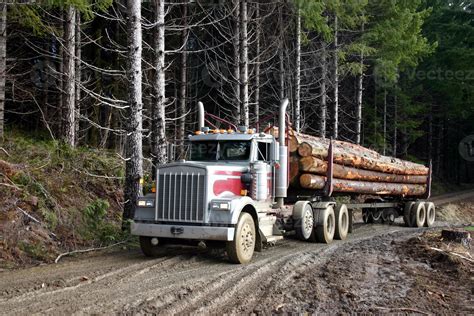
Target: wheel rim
[
  {"x": 308, "y": 223},
  {"x": 247, "y": 239},
  {"x": 431, "y": 214},
  {"x": 344, "y": 222}
]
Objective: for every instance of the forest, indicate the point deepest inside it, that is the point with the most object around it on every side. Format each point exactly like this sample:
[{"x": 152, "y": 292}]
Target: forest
[{"x": 396, "y": 76}]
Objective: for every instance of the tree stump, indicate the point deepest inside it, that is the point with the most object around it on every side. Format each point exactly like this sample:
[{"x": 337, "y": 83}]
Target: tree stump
[{"x": 460, "y": 236}]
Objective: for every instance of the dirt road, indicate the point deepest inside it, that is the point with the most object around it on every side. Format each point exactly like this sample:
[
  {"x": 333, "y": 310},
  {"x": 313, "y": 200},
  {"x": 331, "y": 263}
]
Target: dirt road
[{"x": 368, "y": 272}]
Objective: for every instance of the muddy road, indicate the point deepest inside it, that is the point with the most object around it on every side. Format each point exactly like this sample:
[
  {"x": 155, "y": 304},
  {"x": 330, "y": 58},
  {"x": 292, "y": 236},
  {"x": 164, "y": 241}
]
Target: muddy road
[{"x": 370, "y": 271}]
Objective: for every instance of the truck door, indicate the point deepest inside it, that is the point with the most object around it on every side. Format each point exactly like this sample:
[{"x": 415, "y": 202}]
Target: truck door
[{"x": 264, "y": 155}]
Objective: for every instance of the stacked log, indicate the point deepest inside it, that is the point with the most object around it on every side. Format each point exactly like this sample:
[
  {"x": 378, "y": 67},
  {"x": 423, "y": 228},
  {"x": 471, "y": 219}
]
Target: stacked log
[{"x": 356, "y": 169}]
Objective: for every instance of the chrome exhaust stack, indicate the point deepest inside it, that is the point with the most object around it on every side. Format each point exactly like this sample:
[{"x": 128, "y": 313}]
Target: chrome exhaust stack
[
  {"x": 200, "y": 115},
  {"x": 282, "y": 172}
]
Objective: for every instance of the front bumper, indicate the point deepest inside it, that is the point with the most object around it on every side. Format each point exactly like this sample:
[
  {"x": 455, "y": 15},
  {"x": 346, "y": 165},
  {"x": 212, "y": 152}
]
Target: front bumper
[{"x": 185, "y": 232}]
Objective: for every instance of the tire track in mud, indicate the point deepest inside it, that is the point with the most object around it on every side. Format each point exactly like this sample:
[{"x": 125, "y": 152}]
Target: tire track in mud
[{"x": 183, "y": 280}]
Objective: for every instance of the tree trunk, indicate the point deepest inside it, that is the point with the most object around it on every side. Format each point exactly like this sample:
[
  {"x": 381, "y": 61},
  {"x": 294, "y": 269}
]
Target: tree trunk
[
  {"x": 3, "y": 64},
  {"x": 134, "y": 163},
  {"x": 395, "y": 128},
  {"x": 323, "y": 103},
  {"x": 78, "y": 75},
  {"x": 69, "y": 130},
  {"x": 281, "y": 55},
  {"x": 183, "y": 85},
  {"x": 318, "y": 166},
  {"x": 236, "y": 45},
  {"x": 314, "y": 182},
  {"x": 384, "y": 121},
  {"x": 244, "y": 63},
  {"x": 159, "y": 154},
  {"x": 335, "y": 126},
  {"x": 257, "y": 63},
  {"x": 298, "y": 73},
  {"x": 360, "y": 90}
]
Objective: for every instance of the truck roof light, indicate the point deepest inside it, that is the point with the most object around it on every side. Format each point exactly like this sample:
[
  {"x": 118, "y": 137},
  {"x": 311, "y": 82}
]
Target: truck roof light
[
  {"x": 197, "y": 132},
  {"x": 223, "y": 131},
  {"x": 230, "y": 131},
  {"x": 250, "y": 131}
]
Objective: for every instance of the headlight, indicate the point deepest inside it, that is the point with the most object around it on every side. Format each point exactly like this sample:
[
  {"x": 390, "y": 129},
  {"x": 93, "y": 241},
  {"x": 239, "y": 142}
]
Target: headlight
[
  {"x": 146, "y": 203},
  {"x": 220, "y": 206}
]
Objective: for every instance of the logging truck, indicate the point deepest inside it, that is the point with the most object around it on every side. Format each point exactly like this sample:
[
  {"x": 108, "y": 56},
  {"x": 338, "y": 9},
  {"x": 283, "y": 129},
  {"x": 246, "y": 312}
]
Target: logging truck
[{"x": 242, "y": 188}]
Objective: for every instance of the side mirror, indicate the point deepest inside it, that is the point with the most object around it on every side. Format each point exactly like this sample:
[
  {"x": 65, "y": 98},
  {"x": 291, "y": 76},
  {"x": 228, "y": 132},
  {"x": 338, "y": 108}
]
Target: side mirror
[{"x": 275, "y": 151}]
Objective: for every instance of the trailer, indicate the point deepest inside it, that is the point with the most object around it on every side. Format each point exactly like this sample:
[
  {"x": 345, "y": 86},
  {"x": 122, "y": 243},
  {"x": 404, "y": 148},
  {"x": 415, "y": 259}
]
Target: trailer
[{"x": 234, "y": 191}]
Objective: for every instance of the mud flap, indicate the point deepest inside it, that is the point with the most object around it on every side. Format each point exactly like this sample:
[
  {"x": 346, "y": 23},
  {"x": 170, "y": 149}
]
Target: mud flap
[
  {"x": 351, "y": 221},
  {"x": 259, "y": 242}
]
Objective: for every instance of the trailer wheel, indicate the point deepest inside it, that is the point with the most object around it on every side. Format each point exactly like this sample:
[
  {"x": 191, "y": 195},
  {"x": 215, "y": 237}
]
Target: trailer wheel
[
  {"x": 342, "y": 222},
  {"x": 418, "y": 214},
  {"x": 147, "y": 246},
  {"x": 304, "y": 220},
  {"x": 241, "y": 249},
  {"x": 407, "y": 214},
  {"x": 430, "y": 214},
  {"x": 325, "y": 226}
]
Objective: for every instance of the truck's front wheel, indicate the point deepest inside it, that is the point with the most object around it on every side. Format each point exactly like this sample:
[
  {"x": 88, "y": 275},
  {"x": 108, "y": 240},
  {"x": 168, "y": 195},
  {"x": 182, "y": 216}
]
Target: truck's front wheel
[
  {"x": 149, "y": 246},
  {"x": 241, "y": 249}
]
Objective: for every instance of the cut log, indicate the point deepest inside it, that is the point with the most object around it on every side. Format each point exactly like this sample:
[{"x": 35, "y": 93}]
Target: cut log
[
  {"x": 362, "y": 159},
  {"x": 316, "y": 182},
  {"x": 294, "y": 170},
  {"x": 318, "y": 166}
]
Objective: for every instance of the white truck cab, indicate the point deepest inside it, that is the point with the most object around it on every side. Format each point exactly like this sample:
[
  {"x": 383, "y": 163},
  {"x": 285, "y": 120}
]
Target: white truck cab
[{"x": 227, "y": 191}]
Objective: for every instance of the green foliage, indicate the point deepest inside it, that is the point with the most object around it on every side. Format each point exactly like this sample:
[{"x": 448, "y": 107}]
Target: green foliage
[
  {"x": 97, "y": 226},
  {"x": 394, "y": 30},
  {"x": 33, "y": 16},
  {"x": 34, "y": 250}
]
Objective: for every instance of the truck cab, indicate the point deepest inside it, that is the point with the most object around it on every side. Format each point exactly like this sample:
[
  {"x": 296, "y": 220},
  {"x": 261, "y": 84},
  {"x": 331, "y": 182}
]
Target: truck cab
[{"x": 226, "y": 192}]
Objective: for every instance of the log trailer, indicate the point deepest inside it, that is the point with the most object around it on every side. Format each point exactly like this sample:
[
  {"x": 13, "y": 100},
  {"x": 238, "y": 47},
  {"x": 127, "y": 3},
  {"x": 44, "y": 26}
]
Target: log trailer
[{"x": 235, "y": 191}]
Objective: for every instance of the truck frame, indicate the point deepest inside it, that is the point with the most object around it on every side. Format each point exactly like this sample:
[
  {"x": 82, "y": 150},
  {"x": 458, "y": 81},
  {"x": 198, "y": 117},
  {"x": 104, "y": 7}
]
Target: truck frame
[{"x": 234, "y": 192}]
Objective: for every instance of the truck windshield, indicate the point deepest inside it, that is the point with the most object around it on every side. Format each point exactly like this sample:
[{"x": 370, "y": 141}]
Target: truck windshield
[{"x": 220, "y": 150}]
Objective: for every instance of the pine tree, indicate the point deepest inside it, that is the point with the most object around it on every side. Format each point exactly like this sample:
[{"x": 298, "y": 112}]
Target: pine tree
[{"x": 134, "y": 162}]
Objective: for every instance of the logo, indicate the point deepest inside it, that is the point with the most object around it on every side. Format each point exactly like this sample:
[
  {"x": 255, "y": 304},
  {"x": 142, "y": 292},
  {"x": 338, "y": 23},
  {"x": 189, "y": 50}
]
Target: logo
[{"x": 466, "y": 148}]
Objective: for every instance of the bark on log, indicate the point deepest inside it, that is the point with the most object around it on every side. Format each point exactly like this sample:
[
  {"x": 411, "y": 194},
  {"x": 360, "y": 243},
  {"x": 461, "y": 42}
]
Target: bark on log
[
  {"x": 315, "y": 182},
  {"x": 315, "y": 165},
  {"x": 294, "y": 170},
  {"x": 351, "y": 155}
]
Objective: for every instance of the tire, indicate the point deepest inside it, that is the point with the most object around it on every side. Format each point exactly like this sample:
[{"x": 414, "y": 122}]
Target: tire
[
  {"x": 326, "y": 224},
  {"x": 407, "y": 214},
  {"x": 241, "y": 249},
  {"x": 304, "y": 222},
  {"x": 342, "y": 222},
  {"x": 418, "y": 214},
  {"x": 147, "y": 247},
  {"x": 430, "y": 214}
]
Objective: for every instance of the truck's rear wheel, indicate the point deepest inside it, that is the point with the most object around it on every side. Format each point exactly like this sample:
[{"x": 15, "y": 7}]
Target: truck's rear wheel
[
  {"x": 241, "y": 249},
  {"x": 430, "y": 214},
  {"x": 407, "y": 214},
  {"x": 325, "y": 226},
  {"x": 418, "y": 214},
  {"x": 342, "y": 222},
  {"x": 304, "y": 221},
  {"x": 149, "y": 246}
]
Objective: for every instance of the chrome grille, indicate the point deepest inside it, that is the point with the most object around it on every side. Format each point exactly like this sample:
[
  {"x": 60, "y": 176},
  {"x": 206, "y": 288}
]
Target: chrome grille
[{"x": 181, "y": 195}]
